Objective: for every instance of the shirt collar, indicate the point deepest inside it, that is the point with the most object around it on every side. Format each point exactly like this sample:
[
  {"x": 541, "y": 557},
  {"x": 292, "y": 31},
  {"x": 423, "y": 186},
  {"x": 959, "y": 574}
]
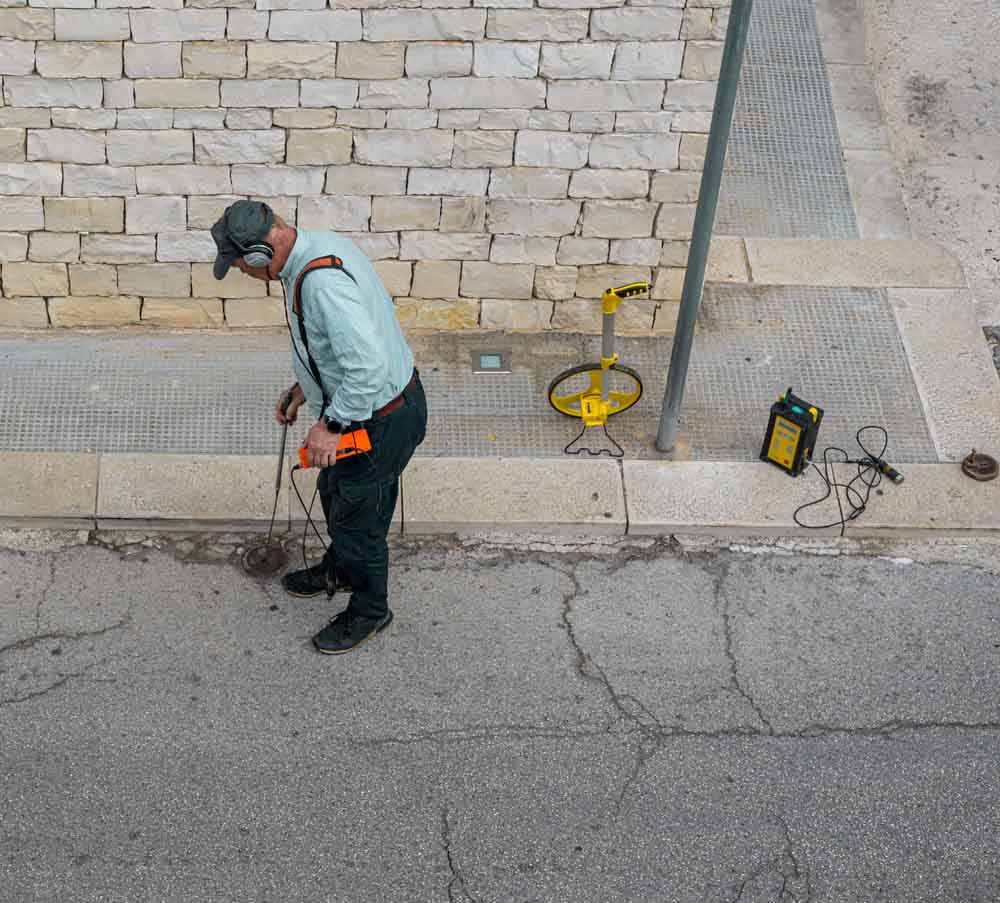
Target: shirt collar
[{"x": 295, "y": 261}]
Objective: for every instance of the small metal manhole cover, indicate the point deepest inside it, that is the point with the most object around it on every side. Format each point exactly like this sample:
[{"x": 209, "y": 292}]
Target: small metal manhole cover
[
  {"x": 980, "y": 467},
  {"x": 492, "y": 361}
]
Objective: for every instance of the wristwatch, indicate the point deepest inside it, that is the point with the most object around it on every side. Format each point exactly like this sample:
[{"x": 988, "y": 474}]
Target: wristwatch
[{"x": 334, "y": 426}]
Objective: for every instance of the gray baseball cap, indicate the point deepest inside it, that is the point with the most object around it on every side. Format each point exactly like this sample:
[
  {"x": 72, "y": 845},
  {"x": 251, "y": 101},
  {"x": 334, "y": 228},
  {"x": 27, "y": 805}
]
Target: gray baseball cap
[{"x": 244, "y": 223}]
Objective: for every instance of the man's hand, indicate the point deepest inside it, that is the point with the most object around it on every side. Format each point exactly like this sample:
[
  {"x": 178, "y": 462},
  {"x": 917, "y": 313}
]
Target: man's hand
[
  {"x": 292, "y": 411},
  {"x": 322, "y": 445}
]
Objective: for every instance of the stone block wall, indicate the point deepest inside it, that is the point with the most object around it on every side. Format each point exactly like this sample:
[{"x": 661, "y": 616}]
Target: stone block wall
[{"x": 503, "y": 161}]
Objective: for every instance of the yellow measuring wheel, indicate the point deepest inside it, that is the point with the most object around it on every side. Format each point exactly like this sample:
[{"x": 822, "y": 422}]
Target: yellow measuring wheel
[{"x": 595, "y": 392}]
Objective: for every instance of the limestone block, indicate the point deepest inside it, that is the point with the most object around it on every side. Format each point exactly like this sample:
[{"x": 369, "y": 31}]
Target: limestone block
[
  {"x": 444, "y": 314},
  {"x": 640, "y": 251},
  {"x": 291, "y": 4},
  {"x": 392, "y": 147},
  {"x": 329, "y": 92},
  {"x": 153, "y": 60},
  {"x": 618, "y": 219},
  {"x": 675, "y": 221},
  {"x": 690, "y": 95},
  {"x": 141, "y": 4},
  {"x": 255, "y": 119},
  {"x": 697, "y": 25},
  {"x": 98, "y": 181},
  {"x": 588, "y": 95},
  {"x": 235, "y": 285},
  {"x": 477, "y": 148},
  {"x": 24, "y": 313},
  {"x": 395, "y": 276},
  {"x": 645, "y": 60},
  {"x": 459, "y": 119},
  {"x": 117, "y": 248},
  {"x": 184, "y": 247},
  {"x": 371, "y": 60},
  {"x": 140, "y": 148},
  {"x": 630, "y": 24},
  {"x": 584, "y": 315},
  {"x": 92, "y": 25},
  {"x": 35, "y": 279},
  {"x": 362, "y": 119},
  {"x": 635, "y": 151},
  {"x": 527, "y": 217},
  {"x": 183, "y": 180},
  {"x": 84, "y": 214},
  {"x": 282, "y": 180},
  {"x": 454, "y": 182},
  {"x": 727, "y": 261},
  {"x": 26, "y": 24},
  {"x": 199, "y": 119},
  {"x": 119, "y": 93},
  {"x": 487, "y": 93},
  {"x": 78, "y": 59},
  {"x": 425, "y": 25},
  {"x": 13, "y": 247},
  {"x": 577, "y": 60},
  {"x": 411, "y": 119},
  {"x": 675, "y": 187},
  {"x": 436, "y": 278},
  {"x": 168, "y": 280},
  {"x": 304, "y": 119},
  {"x": 79, "y": 311},
  {"x": 154, "y": 26},
  {"x": 496, "y": 280},
  {"x": 720, "y": 24},
  {"x": 567, "y": 150},
  {"x": 12, "y": 148},
  {"x": 215, "y": 59},
  {"x": 254, "y": 312},
  {"x": 398, "y": 93},
  {"x": 575, "y": 251},
  {"x": 26, "y": 212},
  {"x": 268, "y": 92},
  {"x": 537, "y": 25},
  {"x": 591, "y": 281},
  {"x": 463, "y": 215},
  {"x": 669, "y": 284},
  {"x": 443, "y": 246},
  {"x": 702, "y": 60},
  {"x": 541, "y": 120},
  {"x": 291, "y": 60},
  {"x": 17, "y": 57},
  {"x": 24, "y": 118},
  {"x": 33, "y": 91},
  {"x": 510, "y": 59},
  {"x": 185, "y": 313},
  {"x": 392, "y": 213},
  {"x": 55, "y": 247},
  {"x": 524, "y": 249},
  {"x": 609, "y": 184},
  {"x": 87, "y": 120},
  {"x": 204, "y": 211},
  {"x": 692, "y": 122},
  {"x": 93, "y": 280},
  {"x": 555, "y": 283},
  {"x": 319, "y": 146},
  {"x": 515, "y": 315},
  {"x": 343, "y": 213},
  {"x": 176, "y": 92},
  {"x": 438, "y": 60},
  {"x": 355, "y": 179},
  {"x": 247, "y": 25},
  {"x": 239, "y": 146},
  {"x": 149, "y": 215},
  {"x": 328, "y": 26},
  {"x": 529, "y": 182},
  {"x": 644, "y": 122}
]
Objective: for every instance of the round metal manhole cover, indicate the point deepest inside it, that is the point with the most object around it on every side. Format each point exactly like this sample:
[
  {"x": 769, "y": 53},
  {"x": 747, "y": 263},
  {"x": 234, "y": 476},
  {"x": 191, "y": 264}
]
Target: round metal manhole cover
[{"x": 980, "y": 467}]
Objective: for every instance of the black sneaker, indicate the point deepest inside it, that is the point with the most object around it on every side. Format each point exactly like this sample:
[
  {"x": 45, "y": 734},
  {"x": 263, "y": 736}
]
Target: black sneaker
[
  {"x": 310, "y": 582},
  {"x": 347, "y": 631}
]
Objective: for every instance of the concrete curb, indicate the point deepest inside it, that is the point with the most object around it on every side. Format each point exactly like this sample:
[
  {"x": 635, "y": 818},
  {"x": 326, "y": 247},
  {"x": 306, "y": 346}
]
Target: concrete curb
[{"x": 467, "y": 495}]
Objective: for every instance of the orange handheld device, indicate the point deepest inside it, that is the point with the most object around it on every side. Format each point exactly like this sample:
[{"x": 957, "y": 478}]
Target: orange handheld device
[{"x": 352, "y": 443}]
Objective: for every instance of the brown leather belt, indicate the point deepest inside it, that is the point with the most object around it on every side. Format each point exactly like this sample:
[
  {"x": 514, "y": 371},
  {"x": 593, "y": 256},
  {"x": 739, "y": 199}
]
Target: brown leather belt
[{"x": 397, "y": 402}]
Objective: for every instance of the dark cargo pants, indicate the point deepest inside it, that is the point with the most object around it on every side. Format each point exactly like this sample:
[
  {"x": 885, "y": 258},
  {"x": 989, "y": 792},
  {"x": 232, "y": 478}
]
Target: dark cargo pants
[{"x": 359, "y": 497}]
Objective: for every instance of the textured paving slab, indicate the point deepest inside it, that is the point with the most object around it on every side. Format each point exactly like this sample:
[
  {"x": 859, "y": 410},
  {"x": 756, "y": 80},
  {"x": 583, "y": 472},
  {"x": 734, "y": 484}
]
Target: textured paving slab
[{"x": 62, "y": 485}]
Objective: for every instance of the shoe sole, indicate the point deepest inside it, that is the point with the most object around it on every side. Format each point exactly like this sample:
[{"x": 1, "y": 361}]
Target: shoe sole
[
  {"x": 358, "y": 644},
  {"x": 303, "y": 595}
]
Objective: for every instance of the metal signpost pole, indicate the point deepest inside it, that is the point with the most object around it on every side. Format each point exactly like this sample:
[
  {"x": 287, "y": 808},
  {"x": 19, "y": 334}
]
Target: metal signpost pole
[{"x": 704, "y": 219}]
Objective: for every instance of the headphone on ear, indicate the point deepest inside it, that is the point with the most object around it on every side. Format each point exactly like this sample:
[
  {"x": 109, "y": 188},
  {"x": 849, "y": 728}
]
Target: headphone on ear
[{"x": 258, "y": 254}]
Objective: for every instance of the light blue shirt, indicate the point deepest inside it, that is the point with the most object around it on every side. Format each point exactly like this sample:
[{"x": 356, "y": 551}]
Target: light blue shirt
[{"x": 353, "y": 331}]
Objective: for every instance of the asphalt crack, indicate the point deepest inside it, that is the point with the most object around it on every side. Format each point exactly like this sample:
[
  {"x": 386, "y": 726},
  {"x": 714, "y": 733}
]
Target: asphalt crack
[
  {"x": 782, "y": 865},
  {"x": 456, "y": 884},
  {"x": 63, "y": 679}
]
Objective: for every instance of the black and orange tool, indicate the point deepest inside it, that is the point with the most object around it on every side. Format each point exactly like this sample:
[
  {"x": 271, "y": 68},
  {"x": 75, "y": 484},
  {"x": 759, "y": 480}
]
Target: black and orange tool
[{"x": 353, "y": 443}]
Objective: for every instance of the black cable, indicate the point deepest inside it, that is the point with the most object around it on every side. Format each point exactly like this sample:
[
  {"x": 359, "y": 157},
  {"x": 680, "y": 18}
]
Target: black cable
[{"x": 869, "y": 462}]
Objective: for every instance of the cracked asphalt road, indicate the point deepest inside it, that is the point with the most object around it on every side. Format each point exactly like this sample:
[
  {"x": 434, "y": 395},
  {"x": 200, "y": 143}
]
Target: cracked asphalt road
[{"x": 625, "y": 723}]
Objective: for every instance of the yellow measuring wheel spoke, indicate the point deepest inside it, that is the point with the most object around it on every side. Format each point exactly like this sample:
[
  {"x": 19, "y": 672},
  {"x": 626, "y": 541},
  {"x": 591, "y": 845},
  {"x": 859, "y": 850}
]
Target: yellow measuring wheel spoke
[{"x": 619, "y": 400}]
